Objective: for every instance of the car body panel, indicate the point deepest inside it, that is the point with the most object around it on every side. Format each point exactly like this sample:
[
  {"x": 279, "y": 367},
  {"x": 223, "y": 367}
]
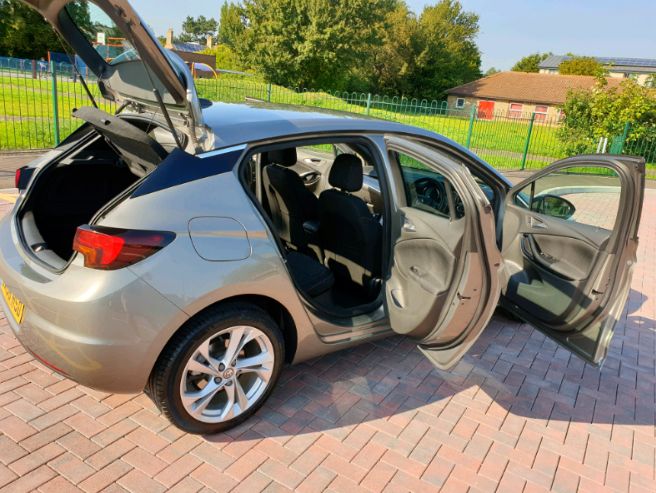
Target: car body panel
[
  {"x": 104, "y": 329},
  {"x": 239, "y": 123},
  {"x": 194, "y": 283}
]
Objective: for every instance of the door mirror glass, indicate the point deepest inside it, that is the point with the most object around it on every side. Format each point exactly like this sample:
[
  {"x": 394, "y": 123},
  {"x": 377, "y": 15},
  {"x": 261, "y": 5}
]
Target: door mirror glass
[{"x": 553, "y": 206}]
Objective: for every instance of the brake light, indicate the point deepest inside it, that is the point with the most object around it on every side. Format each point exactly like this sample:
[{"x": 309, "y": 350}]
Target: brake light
[
  {"x": 112, "y": 248},
  {"x": 22, "y": 177}
]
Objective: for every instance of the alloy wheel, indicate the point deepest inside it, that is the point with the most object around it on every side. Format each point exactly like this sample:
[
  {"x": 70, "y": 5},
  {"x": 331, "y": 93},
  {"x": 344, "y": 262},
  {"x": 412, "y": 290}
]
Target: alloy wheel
[{"x": 226, "y": 374}]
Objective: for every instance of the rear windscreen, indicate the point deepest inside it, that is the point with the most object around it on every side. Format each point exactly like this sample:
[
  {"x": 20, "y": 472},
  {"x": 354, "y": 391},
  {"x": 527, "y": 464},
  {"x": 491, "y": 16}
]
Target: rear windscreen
[{"x": 101, "y": 32}]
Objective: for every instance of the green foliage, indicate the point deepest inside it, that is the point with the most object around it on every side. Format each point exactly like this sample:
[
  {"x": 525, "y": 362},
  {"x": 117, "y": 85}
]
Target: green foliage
[
  {"x": 312, "y": 43},
  {"x": 651, "y": 81},
  {"x": 603, "y": 112},
  {"x": 388, "y": 66},
  {"x": 231, "y": 24},
  {"x": 530, "y": 63},
  {"x": 357, "y": 45},
  {"x": 581, "y": 65},
  {"x": 24, "y": 33},
  {"x": 449, "y": 55},
  {"x": 226, "y": 58},
  {"x": 491, "y": 71},
  {"x": 197, "y": 29}
]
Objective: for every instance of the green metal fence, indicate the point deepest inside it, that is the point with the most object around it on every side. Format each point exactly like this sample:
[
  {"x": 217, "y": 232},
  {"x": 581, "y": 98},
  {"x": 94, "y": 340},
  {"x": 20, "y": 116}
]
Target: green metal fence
[{"x": 36, "y": 100}]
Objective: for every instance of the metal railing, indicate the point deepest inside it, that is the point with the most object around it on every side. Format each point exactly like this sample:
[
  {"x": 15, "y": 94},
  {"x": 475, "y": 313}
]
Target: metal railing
[{"x": 36, "y": 99}]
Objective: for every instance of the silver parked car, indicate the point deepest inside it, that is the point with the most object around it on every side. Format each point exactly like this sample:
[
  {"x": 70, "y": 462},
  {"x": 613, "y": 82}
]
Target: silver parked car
[{"x": 191, "y": 249}]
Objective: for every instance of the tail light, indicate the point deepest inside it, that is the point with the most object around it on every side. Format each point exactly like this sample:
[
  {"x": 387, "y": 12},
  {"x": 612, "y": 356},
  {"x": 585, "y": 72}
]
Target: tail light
[
  {"x": 22, "y": 177},
  {"x": 111, "y": 248}
]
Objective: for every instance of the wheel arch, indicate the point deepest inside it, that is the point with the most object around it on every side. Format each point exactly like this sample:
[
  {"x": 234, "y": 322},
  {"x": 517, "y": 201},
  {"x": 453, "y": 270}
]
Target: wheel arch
[{"x": 271, "y": 306}]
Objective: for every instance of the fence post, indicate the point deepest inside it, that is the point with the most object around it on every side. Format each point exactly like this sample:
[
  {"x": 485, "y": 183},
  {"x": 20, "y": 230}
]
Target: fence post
[
  {"x": 472, "y": 118},
  {"x": 269, "y": 92},
  {"x": 625, "y": 135},
  {"x": 55, "y": 105},
  {"x": 368, "y": 103},
  {"x": 528, "y": 140}
]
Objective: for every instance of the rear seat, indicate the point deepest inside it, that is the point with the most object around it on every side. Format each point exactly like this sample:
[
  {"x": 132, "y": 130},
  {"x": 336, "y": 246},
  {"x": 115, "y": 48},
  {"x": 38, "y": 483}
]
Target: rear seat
[{"x": 310, "y": 276}]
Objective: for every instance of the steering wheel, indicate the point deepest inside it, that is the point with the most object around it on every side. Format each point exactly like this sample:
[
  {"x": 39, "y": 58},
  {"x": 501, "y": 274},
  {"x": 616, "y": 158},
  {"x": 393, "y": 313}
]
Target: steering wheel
[{"x": 432, "y": 193}]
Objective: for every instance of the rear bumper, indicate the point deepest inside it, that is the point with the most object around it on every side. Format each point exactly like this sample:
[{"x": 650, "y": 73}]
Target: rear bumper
[{"x": 102, "y": 329}]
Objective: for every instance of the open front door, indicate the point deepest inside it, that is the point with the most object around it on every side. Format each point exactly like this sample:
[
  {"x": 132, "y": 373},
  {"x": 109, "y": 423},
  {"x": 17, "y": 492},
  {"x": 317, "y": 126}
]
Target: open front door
[
  {"x": 570, "y": 236},
  {"x": 444, "y": 283}
]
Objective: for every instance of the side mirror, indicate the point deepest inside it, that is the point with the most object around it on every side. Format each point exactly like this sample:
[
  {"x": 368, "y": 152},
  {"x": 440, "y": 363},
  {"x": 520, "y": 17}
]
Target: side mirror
[{"x": 554, "y": 206}]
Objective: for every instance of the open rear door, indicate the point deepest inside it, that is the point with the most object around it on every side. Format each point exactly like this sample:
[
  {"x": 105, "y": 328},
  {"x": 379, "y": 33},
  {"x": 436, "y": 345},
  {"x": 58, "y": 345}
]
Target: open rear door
[
  {"x": 570, "y": 236},
  {"x": 444, "y": 283}
]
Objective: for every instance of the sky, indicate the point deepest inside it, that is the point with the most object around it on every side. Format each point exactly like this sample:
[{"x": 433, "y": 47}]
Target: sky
[{"x": 509, "y": 29}]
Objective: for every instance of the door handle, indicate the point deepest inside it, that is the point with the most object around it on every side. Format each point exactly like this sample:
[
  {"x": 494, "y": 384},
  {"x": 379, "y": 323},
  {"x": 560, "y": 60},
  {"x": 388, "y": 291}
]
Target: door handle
[
  {"x": 536, "y": 223},
  {"x": 408, "y": 226}
]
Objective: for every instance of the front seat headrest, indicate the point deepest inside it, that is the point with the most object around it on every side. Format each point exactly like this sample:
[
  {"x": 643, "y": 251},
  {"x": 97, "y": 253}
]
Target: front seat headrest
[
  {"x": 346, "y": 173},
  {"x": 284, "y": 157}
]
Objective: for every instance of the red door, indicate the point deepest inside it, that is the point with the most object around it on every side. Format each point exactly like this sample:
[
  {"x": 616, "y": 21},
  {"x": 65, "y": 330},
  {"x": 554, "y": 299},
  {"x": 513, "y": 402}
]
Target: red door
[{"x": 485, "y": 110}]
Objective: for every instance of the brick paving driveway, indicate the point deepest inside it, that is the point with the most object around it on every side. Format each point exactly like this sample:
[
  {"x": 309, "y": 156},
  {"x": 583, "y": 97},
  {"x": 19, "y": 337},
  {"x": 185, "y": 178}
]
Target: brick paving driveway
[{"x": 517, "y": 414}]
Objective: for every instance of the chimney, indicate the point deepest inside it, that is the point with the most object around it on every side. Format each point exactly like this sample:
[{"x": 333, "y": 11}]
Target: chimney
[
  {"x": 210, "y": 43},
  {"x": 169, "y": 39}
]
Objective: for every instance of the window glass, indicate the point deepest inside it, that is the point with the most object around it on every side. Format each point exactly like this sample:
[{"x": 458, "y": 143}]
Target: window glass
[
  {"x": 541, "y": 113},
  {"x": 515, "y": 110},
  {"x": 460, "y": 103},
  {"x": 101, "y": 32},
  {"x": 586, "y": 195},
  {"x": 428, "y": 190}
]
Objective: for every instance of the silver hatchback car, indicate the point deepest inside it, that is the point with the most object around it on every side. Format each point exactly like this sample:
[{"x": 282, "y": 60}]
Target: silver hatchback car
[{"x": 191, "y": 249}]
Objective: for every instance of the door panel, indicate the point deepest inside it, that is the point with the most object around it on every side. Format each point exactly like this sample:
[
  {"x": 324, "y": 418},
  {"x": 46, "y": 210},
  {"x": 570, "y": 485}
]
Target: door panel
[
  {"x": 569, "y": 258},
  {"x": 424, "y": 265},
  {"x": 569, "y": 275},
  {"x": 444, "y": 283}
]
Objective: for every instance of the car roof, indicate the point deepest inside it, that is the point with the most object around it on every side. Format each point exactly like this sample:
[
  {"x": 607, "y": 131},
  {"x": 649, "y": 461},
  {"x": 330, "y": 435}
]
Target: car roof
[
  {"x": 240, "y": 123},
  {"x": 235, "y": 124}
]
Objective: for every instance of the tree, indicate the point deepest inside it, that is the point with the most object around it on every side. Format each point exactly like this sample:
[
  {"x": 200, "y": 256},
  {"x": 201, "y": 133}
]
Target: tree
[
  {"x": 651, "y": 81},
  {"x": 314, "y": 44},
  {"x": 491, "y": 71},
  {"x": 231, "y": 24},
  {"x": 387, "y": 66},
  {"x": 530, "y": 63},
  {"x": 24, "y": 33},
  {"x": 197, "y": 29},
  {"x": 226, "y": 58},
  {"x": 581, "y": 65},
  {"x": 449, "y": 55},
  {"x": 602, "y": 112}
]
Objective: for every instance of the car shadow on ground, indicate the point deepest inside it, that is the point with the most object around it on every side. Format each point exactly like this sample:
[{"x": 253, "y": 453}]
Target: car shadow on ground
[{"x": 512, "y": 369}]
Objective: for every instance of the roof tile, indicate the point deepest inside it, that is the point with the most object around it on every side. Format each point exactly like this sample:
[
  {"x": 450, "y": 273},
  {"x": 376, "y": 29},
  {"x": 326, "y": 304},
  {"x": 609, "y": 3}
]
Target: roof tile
[{"x": 528, "y": 87}]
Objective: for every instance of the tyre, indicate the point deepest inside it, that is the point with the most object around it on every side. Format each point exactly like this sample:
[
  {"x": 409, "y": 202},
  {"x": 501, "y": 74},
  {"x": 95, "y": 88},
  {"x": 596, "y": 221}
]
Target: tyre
[{"x": 218, "y": 369}]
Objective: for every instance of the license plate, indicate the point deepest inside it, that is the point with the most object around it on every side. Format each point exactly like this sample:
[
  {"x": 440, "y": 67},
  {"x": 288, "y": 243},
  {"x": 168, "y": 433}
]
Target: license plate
[{"x": 16, "y": 308}]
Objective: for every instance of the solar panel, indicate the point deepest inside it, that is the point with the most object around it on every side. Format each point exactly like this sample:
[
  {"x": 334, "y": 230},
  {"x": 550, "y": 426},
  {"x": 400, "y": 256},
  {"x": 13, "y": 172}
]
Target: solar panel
[{"x": 555, "y": 60}]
